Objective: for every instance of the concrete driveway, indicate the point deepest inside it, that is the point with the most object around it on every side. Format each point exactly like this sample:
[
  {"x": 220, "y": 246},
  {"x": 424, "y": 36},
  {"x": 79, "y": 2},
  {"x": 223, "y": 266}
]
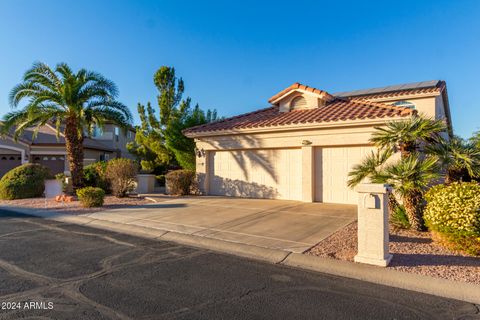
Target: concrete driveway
[{"x": 287, "y": 225}]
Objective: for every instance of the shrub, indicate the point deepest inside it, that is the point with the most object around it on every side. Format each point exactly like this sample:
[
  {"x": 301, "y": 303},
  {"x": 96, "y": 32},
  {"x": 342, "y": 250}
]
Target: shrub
[
  {"x": 25, "y": 181},
  {"x": 399, "y": 218},
  {"x": 91, "y": 196},
  {"x": 121, "y": 173},
  {"x": 453, "y": 212},
  {"x": 180, "y": 182},
  {"x": 161, "y": 180},
  {"x": 94, "y": 175}
]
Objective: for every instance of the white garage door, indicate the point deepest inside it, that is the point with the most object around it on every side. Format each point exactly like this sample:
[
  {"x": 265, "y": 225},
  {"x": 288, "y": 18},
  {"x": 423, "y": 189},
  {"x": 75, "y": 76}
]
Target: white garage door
[
  {"x": 266, "y": 173},
  {"x": 332, "y": 166}
]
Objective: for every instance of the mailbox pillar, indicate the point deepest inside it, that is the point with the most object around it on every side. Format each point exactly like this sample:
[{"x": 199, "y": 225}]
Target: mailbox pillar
[{"x": 373, "y": 235}]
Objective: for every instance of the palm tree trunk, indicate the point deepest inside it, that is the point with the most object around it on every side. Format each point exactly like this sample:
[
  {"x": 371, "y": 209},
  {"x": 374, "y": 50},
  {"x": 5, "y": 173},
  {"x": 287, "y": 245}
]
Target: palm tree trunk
[
  {"x": 392, "y": 203},
  {"x": 74, "y": 145},
  {"x": 414, "y": 210}
]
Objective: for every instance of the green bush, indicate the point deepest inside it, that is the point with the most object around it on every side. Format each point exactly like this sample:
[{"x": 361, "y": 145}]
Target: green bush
[
  {"x": 94, "y": 175},
  {"x": 399, "y": 218},
  {"x": 453, "y": 211},
  {"x": 161, "y": 180},
  {"x": 180, "y": 182},
  {"x": 91, "y": 196},
  {"x": 25, "y": 181},
  {"x": 121, "y": 173}
]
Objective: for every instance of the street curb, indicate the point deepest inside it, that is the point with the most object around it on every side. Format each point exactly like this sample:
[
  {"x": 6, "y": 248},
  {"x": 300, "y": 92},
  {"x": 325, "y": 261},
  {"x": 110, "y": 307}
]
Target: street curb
[{"x": 382, "y": 276}]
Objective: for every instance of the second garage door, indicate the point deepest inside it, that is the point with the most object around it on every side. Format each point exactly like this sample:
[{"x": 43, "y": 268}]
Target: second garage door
[
  {"x": 266, "y": 173},
  {"x": 332, "y": 166}
]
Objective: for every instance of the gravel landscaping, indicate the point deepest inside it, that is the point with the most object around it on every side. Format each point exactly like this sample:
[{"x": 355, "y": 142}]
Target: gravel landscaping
[
  {"x": 75, "y": 207},
  {"x": 412, "y": 252}
]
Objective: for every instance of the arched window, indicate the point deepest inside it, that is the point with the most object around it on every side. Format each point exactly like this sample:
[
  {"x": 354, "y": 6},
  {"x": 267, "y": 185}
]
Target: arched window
[
  {"x": 298, "y": 103},
  {"x": 404, "y": 104}
]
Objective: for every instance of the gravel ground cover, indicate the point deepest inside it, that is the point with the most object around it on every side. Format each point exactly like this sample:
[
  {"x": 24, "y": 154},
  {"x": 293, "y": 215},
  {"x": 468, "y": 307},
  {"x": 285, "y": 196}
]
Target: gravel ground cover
[
  {"x": 412, "y": 252},
  {"x": 75, "y": 207}
]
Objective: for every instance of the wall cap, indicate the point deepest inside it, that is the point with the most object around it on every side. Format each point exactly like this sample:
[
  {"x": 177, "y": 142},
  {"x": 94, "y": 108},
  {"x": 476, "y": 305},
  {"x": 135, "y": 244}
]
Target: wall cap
[{"x": 373, "y": 188}]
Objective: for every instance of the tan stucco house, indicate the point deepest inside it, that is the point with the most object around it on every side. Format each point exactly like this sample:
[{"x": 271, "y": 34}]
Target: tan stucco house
[
  {"x": 303, "y": 146},
  {"x": 49, "y": 150}
]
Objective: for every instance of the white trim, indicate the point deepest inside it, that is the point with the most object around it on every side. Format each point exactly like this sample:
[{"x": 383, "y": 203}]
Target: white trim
[
  {"x": 22, "y": 152},
  {"x": 48, "y": 152}
]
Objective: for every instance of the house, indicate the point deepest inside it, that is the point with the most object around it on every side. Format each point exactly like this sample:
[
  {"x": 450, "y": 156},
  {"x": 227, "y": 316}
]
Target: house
[
  {"x": 303, "y": 146},
  {"x": 48, "y": 150}
]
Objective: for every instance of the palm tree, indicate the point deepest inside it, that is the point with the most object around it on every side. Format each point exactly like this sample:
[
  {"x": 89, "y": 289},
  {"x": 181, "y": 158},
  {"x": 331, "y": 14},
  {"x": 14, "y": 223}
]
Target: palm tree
[
  {"x": 73, "y": 102},
  {"x": 458, "y": 158},
  {"x": 407, "y": 135},
  {"x": 409, "y": 177},
  {"x": 370, "y": 168}
]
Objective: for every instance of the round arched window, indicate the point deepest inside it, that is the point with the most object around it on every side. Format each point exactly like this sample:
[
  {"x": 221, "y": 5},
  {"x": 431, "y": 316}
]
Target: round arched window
[
  {"x": 404, "y": 104},
  {"x": 298, "y": 103}
]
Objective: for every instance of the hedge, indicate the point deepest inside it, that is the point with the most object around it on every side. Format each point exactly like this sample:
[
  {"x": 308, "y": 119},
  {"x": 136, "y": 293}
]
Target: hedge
[{"x": 25, "y": 181}]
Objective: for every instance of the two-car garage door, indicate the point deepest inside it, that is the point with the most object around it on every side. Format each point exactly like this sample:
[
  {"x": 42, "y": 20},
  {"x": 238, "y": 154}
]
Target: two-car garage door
[{"x": 277, "y": 173}]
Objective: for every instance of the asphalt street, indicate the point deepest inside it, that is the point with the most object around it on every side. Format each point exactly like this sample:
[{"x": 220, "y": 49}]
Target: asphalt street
[{"x": 52, "y": 270}]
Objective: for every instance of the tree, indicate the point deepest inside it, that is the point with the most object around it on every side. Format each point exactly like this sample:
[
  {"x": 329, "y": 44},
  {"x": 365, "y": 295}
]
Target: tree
[
  {"x": 149, "y": 145},
  {"x": 408, "y": 135},
  {"x": 409, "y": 177},
  {"x": 161, "y": 139},
  {"x": 73, "y": 102},
  {"x": 459, "y": 159},
  {"x": 182, "y": 147}
]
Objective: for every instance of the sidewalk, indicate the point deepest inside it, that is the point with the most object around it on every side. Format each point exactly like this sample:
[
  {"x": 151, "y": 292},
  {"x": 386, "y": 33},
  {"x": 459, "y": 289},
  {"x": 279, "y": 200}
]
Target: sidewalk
[{"x": 384, "y": 276}]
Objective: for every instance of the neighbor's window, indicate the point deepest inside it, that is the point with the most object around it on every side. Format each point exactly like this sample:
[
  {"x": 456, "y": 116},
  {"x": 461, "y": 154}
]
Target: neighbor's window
[
  {"x": 404, "y": 104},
  {"x": 117, "y": 133},
  {"x": 97, "y": 131},
  {"x": 298, "y": 103}
]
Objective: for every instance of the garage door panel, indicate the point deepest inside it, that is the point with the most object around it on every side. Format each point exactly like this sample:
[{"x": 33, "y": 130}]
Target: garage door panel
[
  {"x": 268, "y": 173},
  {"x": 332, "y": 166}
]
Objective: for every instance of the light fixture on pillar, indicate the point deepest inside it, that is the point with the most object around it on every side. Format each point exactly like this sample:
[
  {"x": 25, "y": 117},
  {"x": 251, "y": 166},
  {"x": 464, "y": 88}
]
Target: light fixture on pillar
[
  {"x": 306, "y": 142},
  {"x": 200, "y": 152}
]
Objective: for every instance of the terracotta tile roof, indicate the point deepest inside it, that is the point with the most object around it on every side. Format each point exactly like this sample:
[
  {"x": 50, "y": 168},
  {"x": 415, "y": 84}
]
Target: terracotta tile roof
[
  {"x": 299, "y": 86},
  {"x": 339, "y": 109}
]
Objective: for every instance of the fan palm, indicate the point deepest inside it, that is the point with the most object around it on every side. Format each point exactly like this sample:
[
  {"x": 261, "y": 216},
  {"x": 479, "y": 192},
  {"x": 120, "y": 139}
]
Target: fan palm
[
  {"x": 73, "y": 102},
  {"x": 407, "y": 135},
  {"x": 457, "y": 157},
  {"x": 370, "y": 168},
  {"x": 409, "y": 177}
]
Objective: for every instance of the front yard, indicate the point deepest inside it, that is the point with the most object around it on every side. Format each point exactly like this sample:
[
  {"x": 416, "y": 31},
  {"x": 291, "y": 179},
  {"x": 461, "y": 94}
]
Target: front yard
[
  {"x": 413, "y": 251},
  {"x": 75, "y": 207}
]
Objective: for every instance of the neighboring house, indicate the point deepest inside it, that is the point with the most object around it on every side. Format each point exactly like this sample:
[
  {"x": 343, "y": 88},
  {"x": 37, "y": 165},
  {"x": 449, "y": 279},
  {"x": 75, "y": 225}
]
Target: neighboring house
[
  {"x": 49, "y": 150},
  {"x": 303, "y": 146}
]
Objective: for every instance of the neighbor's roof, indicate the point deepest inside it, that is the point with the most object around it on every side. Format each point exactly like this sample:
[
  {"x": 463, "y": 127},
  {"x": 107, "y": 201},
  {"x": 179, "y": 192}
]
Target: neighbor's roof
[
  {"x": 414, "y": 88},
  {"x": 46, "y": 136},
  {"x": 339, "y": 109}
]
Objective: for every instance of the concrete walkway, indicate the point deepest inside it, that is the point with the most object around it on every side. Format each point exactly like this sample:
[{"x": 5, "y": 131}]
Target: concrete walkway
[{"x": 276, "y": 224}]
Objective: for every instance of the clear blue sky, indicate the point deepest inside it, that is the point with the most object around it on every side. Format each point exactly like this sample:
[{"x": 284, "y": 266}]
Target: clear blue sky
[{"x": 234, "y": 55}]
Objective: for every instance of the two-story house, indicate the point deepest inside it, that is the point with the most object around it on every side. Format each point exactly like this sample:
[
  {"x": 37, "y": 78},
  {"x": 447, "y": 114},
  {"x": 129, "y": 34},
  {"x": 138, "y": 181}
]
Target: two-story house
[
  {"x": 304, "y": 144},
  {"x": 48, "y": 150}
]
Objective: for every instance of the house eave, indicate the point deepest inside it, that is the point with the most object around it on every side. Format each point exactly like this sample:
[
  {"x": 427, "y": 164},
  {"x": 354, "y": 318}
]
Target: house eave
[{"x": 294, "y": 127}]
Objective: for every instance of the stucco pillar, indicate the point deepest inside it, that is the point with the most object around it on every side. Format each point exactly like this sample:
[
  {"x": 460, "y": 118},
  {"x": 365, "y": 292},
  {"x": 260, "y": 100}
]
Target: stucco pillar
[
  {"x": 307, "y": 173},
  {"x": 202, "y": 168},
  {"x": 373, "y": 237}
]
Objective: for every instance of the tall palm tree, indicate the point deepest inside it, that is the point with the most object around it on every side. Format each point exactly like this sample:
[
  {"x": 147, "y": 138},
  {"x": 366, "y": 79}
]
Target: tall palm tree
[
  {"x": 458, "y": 158},
  {"x": 409, "y": 177},
  {"x": 408, "y": 135},
  {"x": 73, "y": 102}
]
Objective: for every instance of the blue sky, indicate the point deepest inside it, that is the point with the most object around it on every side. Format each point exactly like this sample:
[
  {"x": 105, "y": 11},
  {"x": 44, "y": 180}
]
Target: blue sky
[{"x": 234, "y": 55}]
